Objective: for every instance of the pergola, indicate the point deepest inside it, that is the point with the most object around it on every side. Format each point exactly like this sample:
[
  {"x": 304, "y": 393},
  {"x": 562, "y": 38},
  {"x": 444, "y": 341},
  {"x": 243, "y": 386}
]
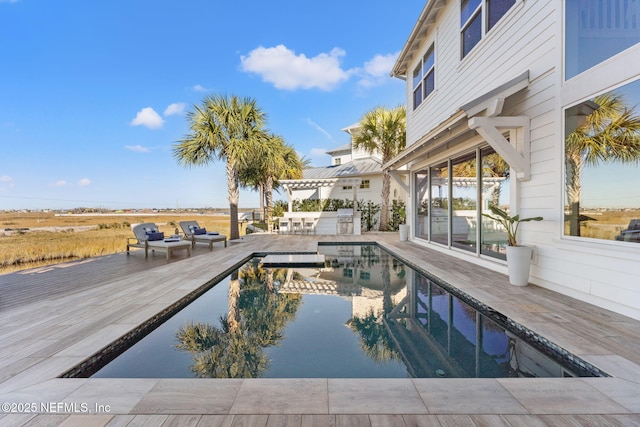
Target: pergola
[{"x": 313, "y": 184}]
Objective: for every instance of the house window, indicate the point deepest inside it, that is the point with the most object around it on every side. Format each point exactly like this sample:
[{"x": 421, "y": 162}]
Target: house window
[
  {"x": 422, "y": 204},
  {"x": 365, "y": 275},
  {"x": 597, "y": 30},
  {"x": 452, "y": 196},
  {"x": 474, "y": 24},
  {"x": 428, "y": 71},
  {"x": 337, "y": 161},
  {"x": 602, "y": 166},
  {"x": 364, "y": 184},
  {"x": 417, "y": 86},
  {"x": 347, "y": 187},
  {"x": 347, "y": 272},
  {"x": 439, "y": 209},
  {"x": 495, "y": 190},
  {"x": 424, "y": 77},
  {"x": 464, "y": 202}
]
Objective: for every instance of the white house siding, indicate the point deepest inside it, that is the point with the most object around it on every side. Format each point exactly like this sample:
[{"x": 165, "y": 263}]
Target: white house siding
[{"x": 530, "y": 37}]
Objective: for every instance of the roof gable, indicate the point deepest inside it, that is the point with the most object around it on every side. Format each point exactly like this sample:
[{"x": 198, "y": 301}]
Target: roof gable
[
  {"x": 359, "y": 167},
  {"x": 421, "y": 30}
]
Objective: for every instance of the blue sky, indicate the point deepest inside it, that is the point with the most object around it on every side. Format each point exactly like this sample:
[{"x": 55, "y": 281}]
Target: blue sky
[{"x": 93, "y": 94}]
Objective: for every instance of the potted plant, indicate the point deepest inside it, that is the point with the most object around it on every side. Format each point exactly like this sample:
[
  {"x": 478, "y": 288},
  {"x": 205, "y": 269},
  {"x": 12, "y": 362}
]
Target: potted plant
[
  {"x": 399, "y": 218},
  {"x": 518, "y": 257}
]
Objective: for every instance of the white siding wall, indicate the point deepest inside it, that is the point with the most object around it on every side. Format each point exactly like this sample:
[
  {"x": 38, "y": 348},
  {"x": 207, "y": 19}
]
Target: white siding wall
[
  {"x": 344, "y": 158},
  {"x": 529, "y": 37}
]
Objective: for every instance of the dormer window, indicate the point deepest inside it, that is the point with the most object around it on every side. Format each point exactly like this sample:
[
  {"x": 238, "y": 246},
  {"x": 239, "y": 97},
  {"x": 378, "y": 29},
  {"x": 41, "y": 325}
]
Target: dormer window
[
  {"x": 337, "y": 161},
  {"x": 474, "y": 24}
]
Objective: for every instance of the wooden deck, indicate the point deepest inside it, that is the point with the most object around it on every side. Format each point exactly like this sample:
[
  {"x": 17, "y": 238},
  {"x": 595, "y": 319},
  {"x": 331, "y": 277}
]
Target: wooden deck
[{"x": 51, "y": 318}]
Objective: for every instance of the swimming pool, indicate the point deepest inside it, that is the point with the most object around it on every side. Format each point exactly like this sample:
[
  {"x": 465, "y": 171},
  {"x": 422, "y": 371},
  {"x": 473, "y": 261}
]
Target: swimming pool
[{"x": 363, "y": 314}]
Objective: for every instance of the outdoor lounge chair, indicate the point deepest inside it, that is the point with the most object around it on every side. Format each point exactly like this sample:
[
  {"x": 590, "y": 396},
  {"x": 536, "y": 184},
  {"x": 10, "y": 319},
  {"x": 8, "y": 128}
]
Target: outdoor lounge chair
[
  {"x": 193, "y": 232},
  {"x": 632, "y": 233},
  {"x": 148, "y": 237}
]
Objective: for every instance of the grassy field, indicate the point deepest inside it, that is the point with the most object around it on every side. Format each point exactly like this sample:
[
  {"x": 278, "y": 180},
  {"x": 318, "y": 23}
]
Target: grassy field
[
  {"x": 605, "y": 225},
  {"x": 53, "y": 239}
]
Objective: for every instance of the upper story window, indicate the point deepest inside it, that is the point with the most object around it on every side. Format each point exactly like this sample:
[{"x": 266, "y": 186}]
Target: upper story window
[
  {"x": 365, "y": 183},
  {"x": 597, "y": 30},
  {"x": 474, "y": 24},
  {"x": 424, "y": 77},
  {"x": 337, "y": 161}
]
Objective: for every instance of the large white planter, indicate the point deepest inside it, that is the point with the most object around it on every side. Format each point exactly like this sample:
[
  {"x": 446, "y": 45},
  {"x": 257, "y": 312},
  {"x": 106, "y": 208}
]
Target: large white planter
[
  {"x": 404, "y": 232},
  {"x": 519, "y": 264}
]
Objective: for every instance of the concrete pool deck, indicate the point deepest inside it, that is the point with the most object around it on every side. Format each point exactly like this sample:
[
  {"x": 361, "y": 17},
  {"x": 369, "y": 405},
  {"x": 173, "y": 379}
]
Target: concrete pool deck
[{"x": 53, "y": 318}]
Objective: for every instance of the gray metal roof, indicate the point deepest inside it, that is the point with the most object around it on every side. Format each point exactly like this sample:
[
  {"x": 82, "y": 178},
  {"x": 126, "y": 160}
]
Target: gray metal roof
[
  {"x": 354, "y": 168},
  {"x": 345, "y": 147}
]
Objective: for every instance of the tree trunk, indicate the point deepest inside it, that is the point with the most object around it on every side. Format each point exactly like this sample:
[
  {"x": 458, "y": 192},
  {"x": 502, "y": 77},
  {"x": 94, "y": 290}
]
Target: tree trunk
[
  {"x": 572, "y": 167},
  {"x": 233, "y": 315},
  {"x": 268, "y": 196},
  {"x": 234, "y": 198},
  {"x": 384, "y": 204},
  {"x": 269, "y": 280},
  {"x": 387, "y": 302},
  {"x": 262, "y": 199}
]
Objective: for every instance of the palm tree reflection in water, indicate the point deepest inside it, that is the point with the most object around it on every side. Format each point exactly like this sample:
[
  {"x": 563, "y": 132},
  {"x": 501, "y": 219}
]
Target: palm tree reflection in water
[
  {"x": 256, "y": 318},
  {"x": 375, "y": 339},
  {"x": 402, "y": 323}
]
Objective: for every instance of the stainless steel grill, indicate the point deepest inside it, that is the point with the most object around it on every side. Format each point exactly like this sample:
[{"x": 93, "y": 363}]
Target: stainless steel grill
[{"x": 344, "y": 223}]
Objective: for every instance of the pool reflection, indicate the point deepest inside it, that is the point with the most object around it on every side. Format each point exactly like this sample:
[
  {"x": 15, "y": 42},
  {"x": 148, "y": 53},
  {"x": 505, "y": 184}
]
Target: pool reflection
[{"x": 364, "y": 314}]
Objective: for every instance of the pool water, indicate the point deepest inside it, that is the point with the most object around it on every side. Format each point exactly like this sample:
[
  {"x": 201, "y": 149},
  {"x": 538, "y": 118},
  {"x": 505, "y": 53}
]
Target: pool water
[{"x": 365, "y": 314}]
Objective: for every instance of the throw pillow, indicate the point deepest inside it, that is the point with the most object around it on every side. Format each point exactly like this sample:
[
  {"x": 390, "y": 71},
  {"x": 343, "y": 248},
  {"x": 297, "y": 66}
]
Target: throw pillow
[{"x": 155, "y": 235}]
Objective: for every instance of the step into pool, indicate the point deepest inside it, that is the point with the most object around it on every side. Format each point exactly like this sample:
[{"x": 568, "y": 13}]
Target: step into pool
[{"x": 361, "y": 313}]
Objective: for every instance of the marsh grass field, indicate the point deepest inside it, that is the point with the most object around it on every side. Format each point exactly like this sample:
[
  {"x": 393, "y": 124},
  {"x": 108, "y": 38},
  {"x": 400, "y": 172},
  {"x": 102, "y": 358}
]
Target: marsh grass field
[{"x": 53, "y": 239}]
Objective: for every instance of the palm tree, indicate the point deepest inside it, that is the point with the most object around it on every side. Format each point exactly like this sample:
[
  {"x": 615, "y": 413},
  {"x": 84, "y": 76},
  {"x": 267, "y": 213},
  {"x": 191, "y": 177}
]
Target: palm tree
[
  {"x": 383, "y": 130},
  {"x": 273, "y": 160},
  {"x": 224, "y": 127},
  {"x": 611, "y": 133}
]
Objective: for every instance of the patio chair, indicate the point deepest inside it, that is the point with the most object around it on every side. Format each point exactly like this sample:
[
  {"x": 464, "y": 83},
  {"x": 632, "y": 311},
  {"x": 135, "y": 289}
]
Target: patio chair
[
  {"x": 296, "y": 225},
  {"x": 632, "y": 233},
  {"x": 147, "y": 237},
  {"x": 309, "y": 225},
  {"x": 196, "y": 234},
  {"x": 283, "y": 225}
]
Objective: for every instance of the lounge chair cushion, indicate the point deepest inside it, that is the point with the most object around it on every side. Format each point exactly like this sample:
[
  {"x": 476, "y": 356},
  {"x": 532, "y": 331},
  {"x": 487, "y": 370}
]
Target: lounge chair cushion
[{"x": 151, "y": 235}]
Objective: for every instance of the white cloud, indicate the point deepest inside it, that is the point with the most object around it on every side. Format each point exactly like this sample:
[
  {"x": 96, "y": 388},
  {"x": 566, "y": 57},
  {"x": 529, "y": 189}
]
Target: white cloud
[
  {"x": 319, "y": 128},
  {"x": 199, "y": 88},
  {"x": 175, "y": 108},
  {"x": 84, "y": 182},
  {"x": 286, "y": 70},
  {"x": 60, "y": 183},
  {"x": 376, "y": 71},
  {"x": 149, "y": 118},
  {"x": 137, "y": 148}
]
